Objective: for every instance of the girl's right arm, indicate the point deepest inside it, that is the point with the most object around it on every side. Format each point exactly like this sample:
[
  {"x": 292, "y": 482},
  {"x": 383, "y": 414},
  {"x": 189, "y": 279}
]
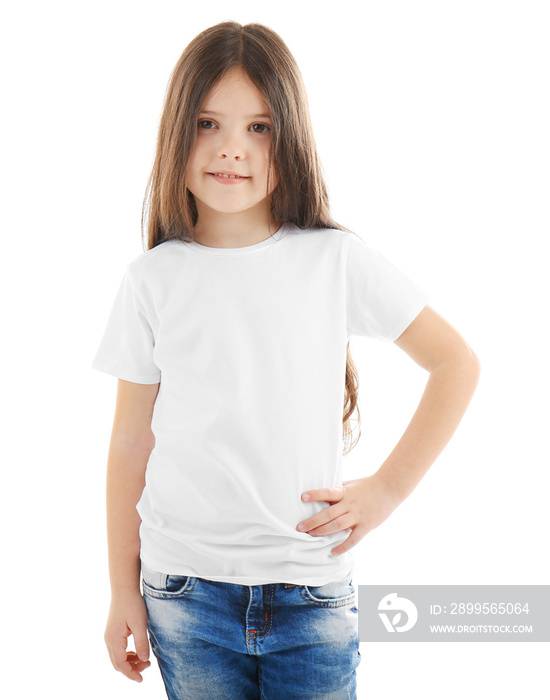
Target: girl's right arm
[{"x": 131, "y": 443}]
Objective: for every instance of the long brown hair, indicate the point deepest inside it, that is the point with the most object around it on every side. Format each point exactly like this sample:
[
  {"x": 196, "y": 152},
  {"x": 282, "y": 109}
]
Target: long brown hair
[{"x": 300, "y": 197}]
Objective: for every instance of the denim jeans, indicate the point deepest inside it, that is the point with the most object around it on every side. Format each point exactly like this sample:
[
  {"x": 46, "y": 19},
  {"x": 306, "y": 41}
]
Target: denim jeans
[{"x": 278, "y": 641}]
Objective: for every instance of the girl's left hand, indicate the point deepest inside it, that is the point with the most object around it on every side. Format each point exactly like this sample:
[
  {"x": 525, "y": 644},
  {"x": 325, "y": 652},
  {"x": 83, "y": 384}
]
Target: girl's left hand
[{"x": 360, "y": 504}]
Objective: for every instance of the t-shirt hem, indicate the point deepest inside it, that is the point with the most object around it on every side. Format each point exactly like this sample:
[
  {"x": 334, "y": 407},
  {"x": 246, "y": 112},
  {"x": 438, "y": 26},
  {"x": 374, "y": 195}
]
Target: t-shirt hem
[
  {"x": 408, "y": 319},
  {"x": 257, "y": 580},
  {"x": 125, "y": 374}
]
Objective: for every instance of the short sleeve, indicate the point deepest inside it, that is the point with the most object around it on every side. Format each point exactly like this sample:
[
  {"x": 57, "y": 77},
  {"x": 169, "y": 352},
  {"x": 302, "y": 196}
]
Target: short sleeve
[
  {"x": 126, "y": 349},
  {"x": 381, "y": 300}
]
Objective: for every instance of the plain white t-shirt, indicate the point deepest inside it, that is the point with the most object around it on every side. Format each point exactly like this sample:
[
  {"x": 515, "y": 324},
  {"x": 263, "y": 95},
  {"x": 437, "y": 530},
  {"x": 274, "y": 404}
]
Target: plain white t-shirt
[{"x": 249, "y": 346}]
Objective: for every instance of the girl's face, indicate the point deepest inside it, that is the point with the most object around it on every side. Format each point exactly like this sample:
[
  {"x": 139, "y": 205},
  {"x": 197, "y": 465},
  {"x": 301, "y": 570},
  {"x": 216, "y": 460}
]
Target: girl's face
[{"x": 233, "y": 135}]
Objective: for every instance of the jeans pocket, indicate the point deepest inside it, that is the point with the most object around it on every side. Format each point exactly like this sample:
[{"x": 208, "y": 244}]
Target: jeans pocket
[
  {"x": 331, "y": 595},
  {"x": 160, "y": 585}
]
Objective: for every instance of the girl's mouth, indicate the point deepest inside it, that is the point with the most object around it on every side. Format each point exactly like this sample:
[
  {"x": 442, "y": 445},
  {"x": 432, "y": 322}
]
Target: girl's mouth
[{"x": 227, "y": 179}]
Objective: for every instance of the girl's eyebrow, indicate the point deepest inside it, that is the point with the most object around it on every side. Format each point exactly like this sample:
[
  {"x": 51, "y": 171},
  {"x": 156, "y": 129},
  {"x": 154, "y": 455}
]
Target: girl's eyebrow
[{"x": 248, "y": 116}]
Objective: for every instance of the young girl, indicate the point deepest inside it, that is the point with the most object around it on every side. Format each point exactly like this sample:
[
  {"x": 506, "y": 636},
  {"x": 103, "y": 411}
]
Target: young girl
[{"x": 230, "y": 339}]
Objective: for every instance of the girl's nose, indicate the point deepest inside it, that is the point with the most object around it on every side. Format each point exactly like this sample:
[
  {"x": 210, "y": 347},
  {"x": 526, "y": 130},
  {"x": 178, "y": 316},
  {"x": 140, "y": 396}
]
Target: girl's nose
[{"x": 231, "y": 146}]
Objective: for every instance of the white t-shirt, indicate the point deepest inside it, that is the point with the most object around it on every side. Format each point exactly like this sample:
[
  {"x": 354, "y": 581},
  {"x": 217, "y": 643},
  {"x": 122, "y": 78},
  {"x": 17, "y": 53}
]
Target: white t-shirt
[{"x": 249, "y": 347}]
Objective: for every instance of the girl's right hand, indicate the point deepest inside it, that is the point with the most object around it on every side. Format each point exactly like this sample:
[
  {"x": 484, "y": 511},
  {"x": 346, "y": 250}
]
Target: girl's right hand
[{"x": 128, "y": 616}]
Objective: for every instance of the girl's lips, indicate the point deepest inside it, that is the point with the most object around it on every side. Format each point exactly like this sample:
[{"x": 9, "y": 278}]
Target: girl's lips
[{"x": 228, "y": 180}]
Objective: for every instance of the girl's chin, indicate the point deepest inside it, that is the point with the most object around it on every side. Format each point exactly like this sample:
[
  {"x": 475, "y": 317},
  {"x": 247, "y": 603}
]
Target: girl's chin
[{"x": 217, "y": 207}]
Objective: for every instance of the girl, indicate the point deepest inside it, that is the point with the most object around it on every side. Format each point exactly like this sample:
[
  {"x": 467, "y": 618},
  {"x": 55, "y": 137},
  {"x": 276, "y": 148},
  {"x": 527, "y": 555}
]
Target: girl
[{"x": 230, "y": 339}]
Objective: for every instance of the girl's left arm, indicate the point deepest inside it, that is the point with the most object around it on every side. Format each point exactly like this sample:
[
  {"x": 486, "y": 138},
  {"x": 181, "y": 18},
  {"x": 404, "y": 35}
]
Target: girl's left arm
[{"x": 364, "y": 504}]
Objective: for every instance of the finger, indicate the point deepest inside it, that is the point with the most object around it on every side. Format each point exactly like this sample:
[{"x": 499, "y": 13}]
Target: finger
[
  {"x": 333, "y": 494},
  {"x": 132, "y": 666},
  {"x": 136, "y": 663},
  {"x": 336, "y": 525},
  {"x": 131, "y": 670},
  {"x": 356, "y": 536},
  {"x": 142, "y": 644},
  {"x": 320, "y": 519},
  {"x": 118, "y": 651},
  {"x": 120, "y": 659}
]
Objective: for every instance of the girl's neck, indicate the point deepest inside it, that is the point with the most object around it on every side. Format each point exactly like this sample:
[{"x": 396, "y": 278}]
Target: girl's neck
[{"x": 219, "y": 230}]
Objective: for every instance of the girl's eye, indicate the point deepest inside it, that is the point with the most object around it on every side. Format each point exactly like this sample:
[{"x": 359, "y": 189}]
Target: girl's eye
[
  {"x": 203, "y": 124},
  {"x": 264, "y": 127}
]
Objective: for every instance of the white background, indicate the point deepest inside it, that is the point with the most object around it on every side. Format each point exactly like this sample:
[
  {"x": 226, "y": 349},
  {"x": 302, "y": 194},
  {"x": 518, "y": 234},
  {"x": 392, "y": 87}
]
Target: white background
[{"x": 431, "y": 119}]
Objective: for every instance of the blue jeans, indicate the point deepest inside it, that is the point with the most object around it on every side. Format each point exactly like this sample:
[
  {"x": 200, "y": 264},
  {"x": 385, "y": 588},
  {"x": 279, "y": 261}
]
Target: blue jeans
[{"x": 278, "y": 641}]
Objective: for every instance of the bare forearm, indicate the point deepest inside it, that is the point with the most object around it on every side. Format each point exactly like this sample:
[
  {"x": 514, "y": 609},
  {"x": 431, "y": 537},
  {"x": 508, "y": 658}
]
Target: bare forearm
[
  {"x": 125, "y": 482},
  {"x": 448, "y": 392}
]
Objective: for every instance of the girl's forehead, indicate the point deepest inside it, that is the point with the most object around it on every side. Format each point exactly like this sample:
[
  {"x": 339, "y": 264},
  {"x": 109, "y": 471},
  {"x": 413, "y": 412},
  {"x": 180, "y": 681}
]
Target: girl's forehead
[{"x": 235, "y": 88}]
